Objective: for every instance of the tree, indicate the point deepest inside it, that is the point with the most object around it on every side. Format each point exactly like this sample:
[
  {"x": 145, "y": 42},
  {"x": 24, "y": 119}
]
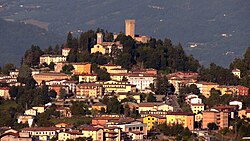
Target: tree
[
  {"x": 151, "y": 98},
  {"x": 13, "y": 91},
  {"x": 63, "y": 93},
  {"x": 25, "y": 77},
  {"x": 32, "y": 56},
  {"x": 212, "y": 126},
  {"x": 52, "y": 93},
  {"x": 78, "y": 108},
  {"x": 52, "y": 66},
  {"x": 67, "y": 69},
  {"x": 7, "y": 68}
]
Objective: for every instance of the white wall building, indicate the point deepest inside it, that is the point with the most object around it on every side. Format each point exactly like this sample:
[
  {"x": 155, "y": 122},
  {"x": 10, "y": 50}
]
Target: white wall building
[
  {"x": 236, "y": 103},
  {"x": 142, "y": 81}
]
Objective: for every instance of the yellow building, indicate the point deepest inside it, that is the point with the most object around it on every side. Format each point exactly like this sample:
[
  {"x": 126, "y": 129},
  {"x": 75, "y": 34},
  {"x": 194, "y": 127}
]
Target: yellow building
[
  {"x": 117, "y": 86},
  {"x": 151, "y": 121},
  {"x": 98, "y": 106},
  {"x": 109, "y": 67},
  {"x": 99, "y": 48},
  {"x": 87, "y": 77},
  {"x": 119, "y": 76},
  {"x": 197, "y": 108},
  {"x": 244, "y": 113},
  {"x": 186, "y": 119},
  {"x": 118, "y": 70},
  {"x": 121, "y": 96},
  {"x": 227, "y": 89},
  {"x": 50, "y": 76},
  {"x": 89, "y": 90},
  {"x": 205, "y": 87},
  {"x": 105, "y": 47},
  {"x": 198, "y": 117},
  {"x": 81, "y": 68},
  {"x": 39, "y": 109},
  {"x": 63, "y": 136},
  {"x": 4, "y": 92}
]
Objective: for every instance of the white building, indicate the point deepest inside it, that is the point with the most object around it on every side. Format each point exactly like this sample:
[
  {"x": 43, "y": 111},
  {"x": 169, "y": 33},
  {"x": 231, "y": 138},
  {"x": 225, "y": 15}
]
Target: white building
[
  {"x": 236, "y": 72},
  {"x": 142, "y": 81},
  {"x": 52, "y": 58},
  {"x": 195, "y": 101},
  {"x": 236, "y": 103}
]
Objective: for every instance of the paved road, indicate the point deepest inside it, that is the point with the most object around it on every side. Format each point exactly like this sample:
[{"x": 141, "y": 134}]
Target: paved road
[{"x": 173, "y": 100}]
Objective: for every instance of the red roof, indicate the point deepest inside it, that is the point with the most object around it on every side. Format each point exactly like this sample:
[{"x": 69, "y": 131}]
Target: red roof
[{"x": 41, "y": 129}]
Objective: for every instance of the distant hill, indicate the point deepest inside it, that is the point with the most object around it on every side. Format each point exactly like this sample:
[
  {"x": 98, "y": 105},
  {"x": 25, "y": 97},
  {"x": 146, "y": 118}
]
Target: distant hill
[
  {"x": 220, "y": 29},
  {"x": 15, "y": 38}
]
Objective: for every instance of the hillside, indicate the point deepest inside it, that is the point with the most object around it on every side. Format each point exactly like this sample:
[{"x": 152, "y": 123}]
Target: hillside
[
  {"x": 221, "y": 29},
  {"x": 15, "y": 38}
]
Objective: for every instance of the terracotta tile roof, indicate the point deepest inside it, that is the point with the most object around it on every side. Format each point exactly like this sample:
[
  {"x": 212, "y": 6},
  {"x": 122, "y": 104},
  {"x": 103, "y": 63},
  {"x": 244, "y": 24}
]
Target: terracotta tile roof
[
  {"x": 99, "y": 104},
  {"x": 180, "y": 113},
  {"x": 90, "y": 128},
  {"x": 150, "y": 104},
  {"x": 41, "y": 129},
  {"x": 91, "y": 74},
  {"x": 74, "y": 132}
]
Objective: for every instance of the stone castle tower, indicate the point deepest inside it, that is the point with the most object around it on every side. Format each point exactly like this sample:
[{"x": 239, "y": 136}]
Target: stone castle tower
[{"x": 130, "y": 27}]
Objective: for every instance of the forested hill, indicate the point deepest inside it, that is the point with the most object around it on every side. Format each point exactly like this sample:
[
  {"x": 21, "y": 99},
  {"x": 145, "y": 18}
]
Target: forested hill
[{"x": 15, "y": 38}]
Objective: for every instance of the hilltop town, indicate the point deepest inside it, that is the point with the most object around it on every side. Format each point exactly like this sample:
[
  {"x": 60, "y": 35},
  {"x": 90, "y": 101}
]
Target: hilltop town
[{"x": 102, "y": 86}]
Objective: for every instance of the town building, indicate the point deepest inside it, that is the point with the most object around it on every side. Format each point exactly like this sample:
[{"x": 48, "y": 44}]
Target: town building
[
  {"x": 180, "y": 79},
  {"x": 84, "y": 90},
  {"x": 52, "y": 58},
  {"x": 119, "y": 76},
  {"x": 81, "y": 68},
  {"x": 88, "y": 78},
  {"x": 197, "y": 108},
  {"x": 105, "y": 47},
  {"x": 186, "y": 119},
  {"x": 42, "y": 133},
  {"x": 117, "y": 86},
  {"x": 25, "y": 119},
  {"x": 236, "y": 103},
  {"x": 236, "y": 72},
  {"x": 154, "y": 106},
  {"x": 215, "y": 116},
  {"x": 99, "y": 106},
  {"x": 123, "y": 95},
  {"x": 151, "y": 121},
  {"x": 4, "y": 92},
  {"x": 50, "y": 76},
  {"x": 67, "y": 135},
  {"x": 95, "y": 133},
  {"x": 142, "y": 81},
  {"x": 110, "y": 67},
  {"x": 65, "y": 51},
  {"x": 205, "y": 87}
]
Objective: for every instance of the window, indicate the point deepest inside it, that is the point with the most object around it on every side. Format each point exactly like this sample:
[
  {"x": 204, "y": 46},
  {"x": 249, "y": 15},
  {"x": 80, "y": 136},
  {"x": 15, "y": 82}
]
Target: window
[
  {"x": 141, "y": 128},
  {"x": 130, "y": 129}
]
